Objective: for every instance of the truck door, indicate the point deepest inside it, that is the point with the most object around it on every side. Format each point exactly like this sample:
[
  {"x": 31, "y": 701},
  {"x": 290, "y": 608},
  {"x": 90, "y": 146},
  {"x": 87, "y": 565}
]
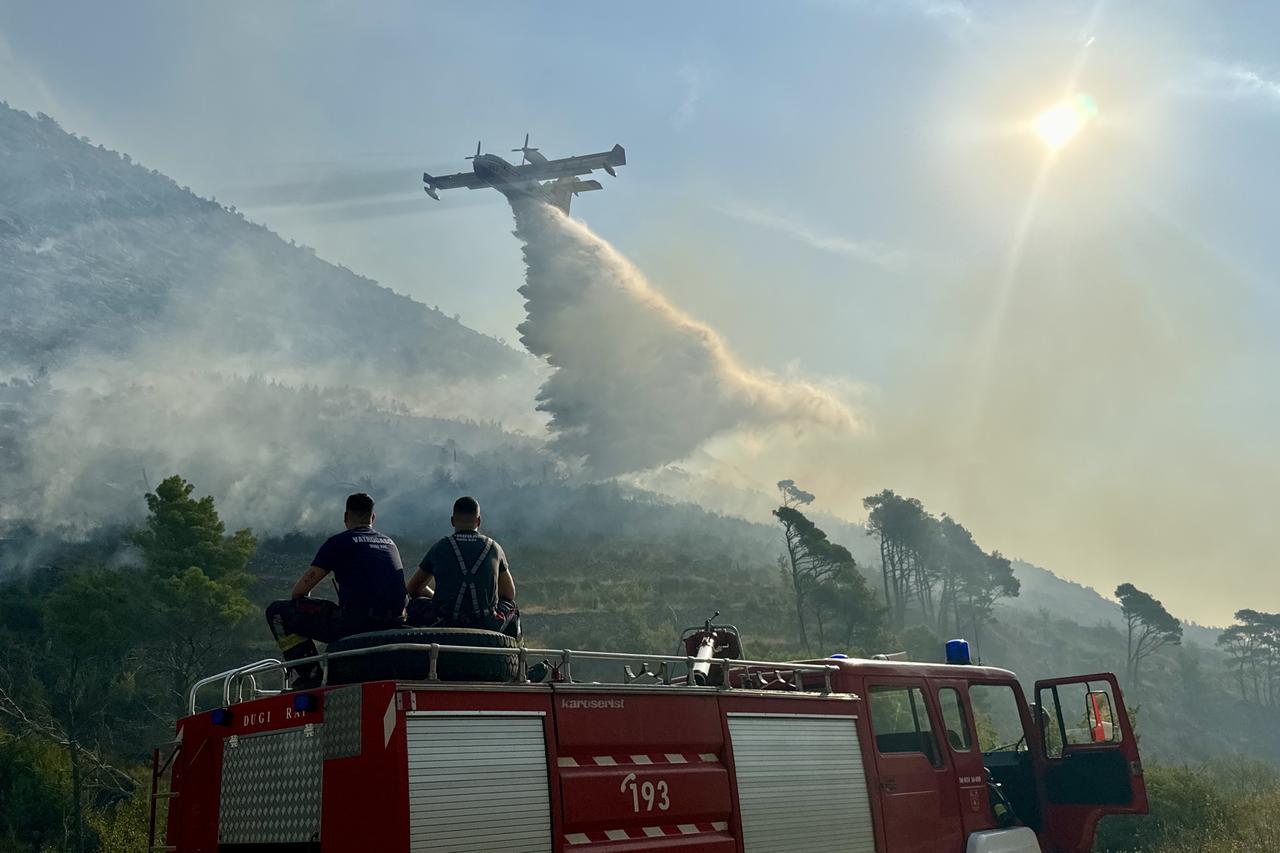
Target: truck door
[
  {"x": 1089, "y": 757},
  {"x": 918, "y": 793},
  {"x": 957, "y": 731}
]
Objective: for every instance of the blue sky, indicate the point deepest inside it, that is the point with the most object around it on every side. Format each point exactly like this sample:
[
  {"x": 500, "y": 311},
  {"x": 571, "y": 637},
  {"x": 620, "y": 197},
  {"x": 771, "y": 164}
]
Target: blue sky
[{"x": 1072, "y": 351}]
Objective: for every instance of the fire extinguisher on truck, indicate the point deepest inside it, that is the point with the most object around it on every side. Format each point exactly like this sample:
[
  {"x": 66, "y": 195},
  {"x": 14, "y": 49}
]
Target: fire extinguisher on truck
[{"x": 437, "y": 740}]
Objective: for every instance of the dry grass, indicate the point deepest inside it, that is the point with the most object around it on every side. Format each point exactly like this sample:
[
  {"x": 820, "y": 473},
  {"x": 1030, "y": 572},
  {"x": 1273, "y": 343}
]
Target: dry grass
[
  {"x": 1254, "y": 827},
  {"x": 1226, "y": 806}
]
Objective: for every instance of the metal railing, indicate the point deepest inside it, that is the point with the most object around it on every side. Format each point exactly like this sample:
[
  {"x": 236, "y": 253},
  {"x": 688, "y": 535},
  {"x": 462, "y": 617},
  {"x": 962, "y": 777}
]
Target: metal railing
[{"x": 753, "y": 674}]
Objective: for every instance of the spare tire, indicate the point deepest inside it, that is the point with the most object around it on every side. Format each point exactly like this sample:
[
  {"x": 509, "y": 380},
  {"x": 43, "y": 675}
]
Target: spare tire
[{"x": 407, "y": 665}]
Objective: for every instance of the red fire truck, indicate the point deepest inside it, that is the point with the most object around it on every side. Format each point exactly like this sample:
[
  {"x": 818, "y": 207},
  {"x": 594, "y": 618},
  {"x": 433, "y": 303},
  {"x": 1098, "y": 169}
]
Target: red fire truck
[{"x": 701, "y": 752}]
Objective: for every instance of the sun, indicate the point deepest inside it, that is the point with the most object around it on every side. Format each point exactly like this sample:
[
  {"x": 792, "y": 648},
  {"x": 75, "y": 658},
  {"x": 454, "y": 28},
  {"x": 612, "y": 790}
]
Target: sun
[{"x": 1062, "y": 122}]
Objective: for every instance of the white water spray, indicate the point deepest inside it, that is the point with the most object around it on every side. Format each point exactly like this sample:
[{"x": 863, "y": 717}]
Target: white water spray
[{"x": 637, "y": 383}]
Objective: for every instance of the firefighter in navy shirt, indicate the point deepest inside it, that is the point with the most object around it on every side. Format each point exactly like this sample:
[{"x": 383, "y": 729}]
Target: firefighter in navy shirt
[
  {"x": 371, "y": 591},
  {"x": 464, "y": 580}
]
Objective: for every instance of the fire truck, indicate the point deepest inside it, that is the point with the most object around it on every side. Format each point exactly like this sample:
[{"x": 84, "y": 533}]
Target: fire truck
[{"x": 437, "y": 740}]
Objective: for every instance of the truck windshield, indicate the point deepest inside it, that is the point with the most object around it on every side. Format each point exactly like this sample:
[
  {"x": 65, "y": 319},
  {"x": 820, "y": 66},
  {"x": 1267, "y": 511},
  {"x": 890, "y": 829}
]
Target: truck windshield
[{"x": 996, "y": 718}]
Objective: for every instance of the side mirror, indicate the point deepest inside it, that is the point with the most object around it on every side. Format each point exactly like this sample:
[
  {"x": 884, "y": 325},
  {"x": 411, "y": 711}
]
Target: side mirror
[{"x": 1101, "y": 720}]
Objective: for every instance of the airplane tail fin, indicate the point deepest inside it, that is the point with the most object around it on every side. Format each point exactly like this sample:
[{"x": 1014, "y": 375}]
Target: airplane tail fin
[
  {"x": 429, "y": 186},
  {"x": 561, "y": 192}
]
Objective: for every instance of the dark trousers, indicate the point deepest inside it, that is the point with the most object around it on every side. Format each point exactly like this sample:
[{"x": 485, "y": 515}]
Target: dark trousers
[
  {"x": 423, "y": 613},
  {"x": 296, "y": 623}
]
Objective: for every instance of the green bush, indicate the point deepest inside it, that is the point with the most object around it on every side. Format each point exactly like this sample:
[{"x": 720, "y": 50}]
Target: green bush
[
  {"x": 35, "y": 785},
  {"x": 122, "y": 828}
]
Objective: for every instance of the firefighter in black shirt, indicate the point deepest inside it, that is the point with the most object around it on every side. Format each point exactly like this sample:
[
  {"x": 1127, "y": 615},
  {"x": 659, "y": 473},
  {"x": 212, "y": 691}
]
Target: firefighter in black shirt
[
  {"x": 370, "y": 579},
  {"x": 472, "y": 587}
]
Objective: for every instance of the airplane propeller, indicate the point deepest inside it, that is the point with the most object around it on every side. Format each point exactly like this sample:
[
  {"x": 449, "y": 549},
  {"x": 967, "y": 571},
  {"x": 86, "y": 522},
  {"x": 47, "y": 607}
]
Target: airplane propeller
[
  {"x": 524, "y": 149},
  {"x": 477, "y": 154}
]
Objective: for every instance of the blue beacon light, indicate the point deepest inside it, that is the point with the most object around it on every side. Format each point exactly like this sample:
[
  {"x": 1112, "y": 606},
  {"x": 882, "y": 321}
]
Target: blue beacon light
[
  {"x": 304, "y": 702},
  {"x": 958, "y": 652}
]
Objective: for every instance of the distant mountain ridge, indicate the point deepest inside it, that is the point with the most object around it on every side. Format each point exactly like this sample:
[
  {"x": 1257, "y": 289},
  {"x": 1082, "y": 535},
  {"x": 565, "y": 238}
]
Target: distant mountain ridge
[
  {"x": 1084, "y": 605},
  {"x": 98, "y": 253}
]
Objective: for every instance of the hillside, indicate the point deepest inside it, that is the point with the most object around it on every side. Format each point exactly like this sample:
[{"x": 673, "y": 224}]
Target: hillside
[{"x": 99, "y": 254}]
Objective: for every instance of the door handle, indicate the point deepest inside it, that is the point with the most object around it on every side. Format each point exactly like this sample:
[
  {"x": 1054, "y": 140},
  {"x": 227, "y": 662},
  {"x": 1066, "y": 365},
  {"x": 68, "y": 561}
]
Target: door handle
[{"x": 889, "y": 785}]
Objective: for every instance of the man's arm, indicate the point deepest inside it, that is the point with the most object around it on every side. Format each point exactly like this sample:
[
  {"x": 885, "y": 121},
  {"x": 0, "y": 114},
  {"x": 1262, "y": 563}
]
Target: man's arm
[
  {"x": 506, "y": 585},
  {"x": 308, "y": 581},
  {"x": 419, "y": 585}
]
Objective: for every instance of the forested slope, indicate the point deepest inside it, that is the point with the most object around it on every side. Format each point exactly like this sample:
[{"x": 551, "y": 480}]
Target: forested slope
[{"x": 98, "y": 253}]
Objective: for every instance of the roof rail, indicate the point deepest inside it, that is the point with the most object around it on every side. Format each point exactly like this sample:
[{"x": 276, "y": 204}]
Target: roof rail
[{"x": 760, "y": 675}]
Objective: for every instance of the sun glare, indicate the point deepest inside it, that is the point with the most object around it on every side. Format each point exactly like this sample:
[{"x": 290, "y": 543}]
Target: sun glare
[{"x": 1062, "y": 122}]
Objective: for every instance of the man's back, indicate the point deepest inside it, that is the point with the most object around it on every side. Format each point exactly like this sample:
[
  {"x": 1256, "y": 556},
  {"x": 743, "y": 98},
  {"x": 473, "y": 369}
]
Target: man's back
[
  {"x": 368, "y": 569},
  {"x": 466, "y": 566}
]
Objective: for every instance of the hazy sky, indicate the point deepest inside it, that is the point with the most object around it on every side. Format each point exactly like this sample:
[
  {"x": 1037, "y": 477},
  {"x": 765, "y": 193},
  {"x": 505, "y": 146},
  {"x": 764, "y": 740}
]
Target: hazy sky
[{"x": 1071, "y": 350}]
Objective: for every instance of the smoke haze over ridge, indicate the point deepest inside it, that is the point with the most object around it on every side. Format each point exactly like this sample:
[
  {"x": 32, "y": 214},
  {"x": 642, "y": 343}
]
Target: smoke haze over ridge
[{"x": 637, "y": 383}]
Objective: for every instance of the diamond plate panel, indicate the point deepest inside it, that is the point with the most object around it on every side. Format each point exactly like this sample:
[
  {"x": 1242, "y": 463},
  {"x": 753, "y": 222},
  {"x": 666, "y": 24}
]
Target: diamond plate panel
[
  {"x": 271, "y": 788},
  {"x": 341, "y": 735}
]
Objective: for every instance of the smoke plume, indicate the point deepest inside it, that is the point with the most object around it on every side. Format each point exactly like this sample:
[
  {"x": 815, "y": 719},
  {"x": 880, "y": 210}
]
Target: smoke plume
[{"x": 637, "y": 383}]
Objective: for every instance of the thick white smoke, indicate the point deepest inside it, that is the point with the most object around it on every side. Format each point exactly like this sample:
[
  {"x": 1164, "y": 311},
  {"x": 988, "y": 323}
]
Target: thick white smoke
[{"x": 637, "y": 383}]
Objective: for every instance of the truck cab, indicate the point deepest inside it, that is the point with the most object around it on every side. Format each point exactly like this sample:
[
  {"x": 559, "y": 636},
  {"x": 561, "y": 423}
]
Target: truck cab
[
  {"x": 958, "y": 751},
  {"x": 735, "y": 756}
]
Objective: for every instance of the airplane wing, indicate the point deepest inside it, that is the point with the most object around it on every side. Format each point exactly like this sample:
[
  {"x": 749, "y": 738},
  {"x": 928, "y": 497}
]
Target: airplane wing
[
  {"x": 453, "y": 182},
  {"x": 584, "y": 164}
]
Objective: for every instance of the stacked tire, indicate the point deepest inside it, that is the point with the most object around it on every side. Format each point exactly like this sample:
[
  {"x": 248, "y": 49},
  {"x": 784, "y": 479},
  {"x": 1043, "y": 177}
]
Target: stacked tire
[{"x": 412, "y": 665}]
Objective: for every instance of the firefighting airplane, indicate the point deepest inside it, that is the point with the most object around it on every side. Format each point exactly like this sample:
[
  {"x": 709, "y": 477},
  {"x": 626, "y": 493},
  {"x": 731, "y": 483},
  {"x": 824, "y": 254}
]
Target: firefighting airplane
[{"x": 552, "y": 181}]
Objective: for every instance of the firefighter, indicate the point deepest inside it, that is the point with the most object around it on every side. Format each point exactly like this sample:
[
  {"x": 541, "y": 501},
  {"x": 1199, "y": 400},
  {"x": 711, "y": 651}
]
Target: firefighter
[
  {"x": 464, "y": 580},
  {"x": 370, "y": 581}
]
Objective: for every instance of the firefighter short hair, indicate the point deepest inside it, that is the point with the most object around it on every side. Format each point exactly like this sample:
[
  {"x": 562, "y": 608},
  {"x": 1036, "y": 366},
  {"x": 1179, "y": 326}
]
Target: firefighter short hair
[
  {"x": 466, "y": 506},
  {"x": 360, "y": 505}
]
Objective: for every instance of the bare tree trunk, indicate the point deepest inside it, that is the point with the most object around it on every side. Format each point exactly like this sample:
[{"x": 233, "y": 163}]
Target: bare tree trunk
[
  {"x": 902, "y": 585},
  {"x": 796, "y": 585},
  {"x": 947, "y": 607},
  {"x": 798, "y": 588},
  {"x": 77, "y": 797},
  {"x": 977, "y": 637},
  {"x": 1129, "y": 666},
  {"x": 1237, "y": 663},
  {"x": 804, "y": 635},
  {"x": 928, "y": 592},
  {"x": 922, "y": 592},
  {"x": 884, "y": 570},
  {"x": 77, "y": 782}
]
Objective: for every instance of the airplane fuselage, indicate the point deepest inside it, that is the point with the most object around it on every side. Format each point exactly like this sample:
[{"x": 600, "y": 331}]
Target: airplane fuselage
[
  {"x": 505, "y": 178},
  {"x": 501, "y": 175}
]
